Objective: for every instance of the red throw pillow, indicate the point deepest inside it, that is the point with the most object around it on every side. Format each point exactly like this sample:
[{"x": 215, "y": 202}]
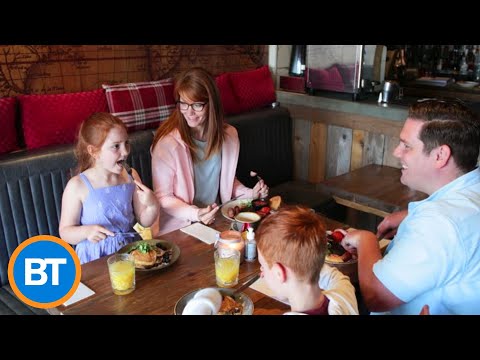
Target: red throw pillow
[
  {"x": 335, "y": 79},
  {"x": 56, "y": 118},
  {"x": 229, "y": 100},
  {"x": 254, "y": 88},
  {"x": 8, "y": 140},
  {"x": 329, "y": 79},
  {"x": 141, "y": 105}
]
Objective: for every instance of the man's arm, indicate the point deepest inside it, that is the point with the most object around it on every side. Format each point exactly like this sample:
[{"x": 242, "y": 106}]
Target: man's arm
[{"x": 375, "y": 295}]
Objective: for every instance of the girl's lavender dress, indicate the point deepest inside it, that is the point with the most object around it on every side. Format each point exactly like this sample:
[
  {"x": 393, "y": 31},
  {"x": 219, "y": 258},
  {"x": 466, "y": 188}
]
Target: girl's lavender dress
[{"x": 111, "y": 207}]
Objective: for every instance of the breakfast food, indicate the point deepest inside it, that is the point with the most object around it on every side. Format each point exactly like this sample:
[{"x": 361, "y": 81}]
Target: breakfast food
[
  {"x": 147, "y": 256},
  {"x": 144, "y": 259},
  {"x": 230, "y": 307},
  {"x": 197, "y": 307},
  {"x": 210, "y": 301},
  {"x": 235, "y": 210},
  {"x": 259, "y": 203},
  {"x": 335, "y": 251},
  {"x": 259, "y": 206},
  {"x": 212, "y": 297},
  {"x": 275, "y": 202}
]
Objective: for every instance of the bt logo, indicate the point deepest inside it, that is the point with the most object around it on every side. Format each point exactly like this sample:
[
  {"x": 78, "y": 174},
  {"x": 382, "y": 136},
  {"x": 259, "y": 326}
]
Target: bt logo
[{"x": 44, "y": 271}]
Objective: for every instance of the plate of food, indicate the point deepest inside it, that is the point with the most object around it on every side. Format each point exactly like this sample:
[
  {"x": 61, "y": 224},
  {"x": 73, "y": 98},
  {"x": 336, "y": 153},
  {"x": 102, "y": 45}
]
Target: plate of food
[
  {"x": 338, "y": 257},
  {"x": 231, "y": 303},
  {"x": 152, "y": 254},
  {"x": 232, "y": 208},
  {"x": 262, "y": 207},
  {"x": 467, "y": 84}
]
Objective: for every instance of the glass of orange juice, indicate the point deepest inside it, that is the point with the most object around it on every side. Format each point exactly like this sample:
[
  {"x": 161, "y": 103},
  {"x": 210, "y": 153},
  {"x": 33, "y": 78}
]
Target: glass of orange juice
[
  {"x": 121, "y": 268},
  {"x": 227, "y": 266}
]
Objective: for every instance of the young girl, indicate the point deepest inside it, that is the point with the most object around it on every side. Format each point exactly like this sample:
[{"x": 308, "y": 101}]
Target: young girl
[{"x": 104, "y": 200}]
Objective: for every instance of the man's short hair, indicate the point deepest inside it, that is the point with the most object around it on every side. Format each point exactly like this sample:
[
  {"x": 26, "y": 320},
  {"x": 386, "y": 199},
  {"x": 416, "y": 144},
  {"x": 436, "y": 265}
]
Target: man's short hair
[{"x": 452, "y": 123}]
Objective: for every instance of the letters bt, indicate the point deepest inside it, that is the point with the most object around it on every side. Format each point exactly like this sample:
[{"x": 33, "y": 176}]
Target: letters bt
[{"x": 29, "y": 271}]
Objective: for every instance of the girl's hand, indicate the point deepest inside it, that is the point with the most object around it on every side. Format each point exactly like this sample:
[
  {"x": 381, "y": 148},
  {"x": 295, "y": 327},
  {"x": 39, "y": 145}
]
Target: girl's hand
[
  {"x": 260, "y": 190},
  {"x": 145, "y": 195},
  {"x": 207, "y": 215},
  {"x": 96, "y": 233}
]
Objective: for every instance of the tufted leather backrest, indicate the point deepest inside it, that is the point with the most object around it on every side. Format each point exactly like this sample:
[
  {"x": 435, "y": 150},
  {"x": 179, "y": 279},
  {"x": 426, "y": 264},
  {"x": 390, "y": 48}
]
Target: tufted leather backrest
[
  {"x": 31, "y": 189},
  {"x": 266, "y": 145}
]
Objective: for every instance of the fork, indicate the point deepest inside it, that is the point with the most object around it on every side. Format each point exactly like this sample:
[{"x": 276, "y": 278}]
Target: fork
[
  {"x": 253, "y": 173},
  {"x": 127, "y": 167}
]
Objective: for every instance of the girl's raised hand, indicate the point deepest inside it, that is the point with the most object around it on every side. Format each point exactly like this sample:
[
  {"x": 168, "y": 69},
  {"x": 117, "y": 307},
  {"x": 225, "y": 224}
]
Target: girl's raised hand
[{"x": 145, "y": 194}]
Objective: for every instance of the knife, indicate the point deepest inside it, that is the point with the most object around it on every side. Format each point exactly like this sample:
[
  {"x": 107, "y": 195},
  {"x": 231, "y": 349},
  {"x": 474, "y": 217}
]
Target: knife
[
  {"x": 246, "y": 284},
  {"x": 127, "y": 234}
]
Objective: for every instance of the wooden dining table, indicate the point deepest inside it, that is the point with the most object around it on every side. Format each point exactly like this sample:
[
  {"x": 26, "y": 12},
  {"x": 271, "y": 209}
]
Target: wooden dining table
[
  {"x": 374, "y": 189},
  {"x": 157, "y": 292}
]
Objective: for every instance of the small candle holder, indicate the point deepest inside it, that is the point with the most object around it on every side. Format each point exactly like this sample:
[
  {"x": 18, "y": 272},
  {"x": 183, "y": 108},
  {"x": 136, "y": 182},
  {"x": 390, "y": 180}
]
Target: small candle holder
[{"x": 231, "y": 239}]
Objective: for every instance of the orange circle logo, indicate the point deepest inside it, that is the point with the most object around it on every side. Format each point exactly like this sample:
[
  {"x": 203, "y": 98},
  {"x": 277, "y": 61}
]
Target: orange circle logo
[{"x": 44, "y": 271}]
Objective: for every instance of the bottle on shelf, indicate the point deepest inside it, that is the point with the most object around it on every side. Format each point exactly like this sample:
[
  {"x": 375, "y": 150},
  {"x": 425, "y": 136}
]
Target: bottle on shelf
[
  {"x": 251, "y": 248},
  {"x": 477, "y": 63}
]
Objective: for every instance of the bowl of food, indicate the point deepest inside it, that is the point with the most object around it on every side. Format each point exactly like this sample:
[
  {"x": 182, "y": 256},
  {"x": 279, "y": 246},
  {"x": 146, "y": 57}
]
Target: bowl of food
[
  {"x": 246, "y": 218},
  {"x": 340, "y": 258},
  {"x": 204, "y": 301}
]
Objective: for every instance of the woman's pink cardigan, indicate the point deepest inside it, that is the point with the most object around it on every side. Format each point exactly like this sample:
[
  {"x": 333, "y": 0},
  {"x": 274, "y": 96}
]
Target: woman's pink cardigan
[{"x": 172, "y": 176}]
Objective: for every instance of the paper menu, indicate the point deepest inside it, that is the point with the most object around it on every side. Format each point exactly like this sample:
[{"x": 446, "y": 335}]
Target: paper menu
[
  {"x": 82, "y": 292},
  {"x": 201, "y": 232},
  {"x": 261, "y": 286}
]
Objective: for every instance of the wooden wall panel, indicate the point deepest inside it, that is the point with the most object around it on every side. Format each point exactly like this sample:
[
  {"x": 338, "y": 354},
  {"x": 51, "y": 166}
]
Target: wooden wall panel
[
  {"x": 373, "y": 149},
  {"x": 339, "y": 146},
  {"x": 349, "y": 120},
  {"x": 391, "y": 143},
  {"x": 339, "y": 142},
  {"x": 301, "y": 148},
  {"x": 357, "y": 149},
  {"x": 318, "y": 152}
]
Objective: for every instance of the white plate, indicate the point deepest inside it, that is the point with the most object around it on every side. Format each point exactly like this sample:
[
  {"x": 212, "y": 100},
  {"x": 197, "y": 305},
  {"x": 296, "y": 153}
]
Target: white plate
[
  {"x": 467, "y": 84},
  {"x": 239, "y": 297},
  {"x": 240, "y": 203}
]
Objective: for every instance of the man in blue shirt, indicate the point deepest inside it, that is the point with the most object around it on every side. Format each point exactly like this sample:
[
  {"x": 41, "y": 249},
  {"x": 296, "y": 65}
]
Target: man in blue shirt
[{"x": 434, "y": 258}]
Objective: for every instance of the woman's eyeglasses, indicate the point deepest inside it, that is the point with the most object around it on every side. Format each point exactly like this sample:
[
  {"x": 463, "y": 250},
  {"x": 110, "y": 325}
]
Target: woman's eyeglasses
[{"x": 198, "y": 106}]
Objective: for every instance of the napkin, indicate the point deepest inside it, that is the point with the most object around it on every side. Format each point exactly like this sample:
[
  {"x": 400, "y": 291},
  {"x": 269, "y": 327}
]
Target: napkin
[
  {"x": 382, "y": 244},
  {"x": 201, "y": 232},
  {"x": 261, "y": 286},
  {"x": 82, "y": 292}
]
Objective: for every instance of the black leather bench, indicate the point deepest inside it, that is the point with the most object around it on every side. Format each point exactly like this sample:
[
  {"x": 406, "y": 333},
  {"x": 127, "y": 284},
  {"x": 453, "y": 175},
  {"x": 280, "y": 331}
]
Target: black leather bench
[
  {"x": 31, "y": 188},
  {"x": 266, "y": 146}
]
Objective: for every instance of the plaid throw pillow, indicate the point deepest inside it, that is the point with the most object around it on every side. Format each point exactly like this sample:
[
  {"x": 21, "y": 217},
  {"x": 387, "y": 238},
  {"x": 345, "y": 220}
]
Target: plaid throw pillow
[{"x": 141, "y": 105}]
